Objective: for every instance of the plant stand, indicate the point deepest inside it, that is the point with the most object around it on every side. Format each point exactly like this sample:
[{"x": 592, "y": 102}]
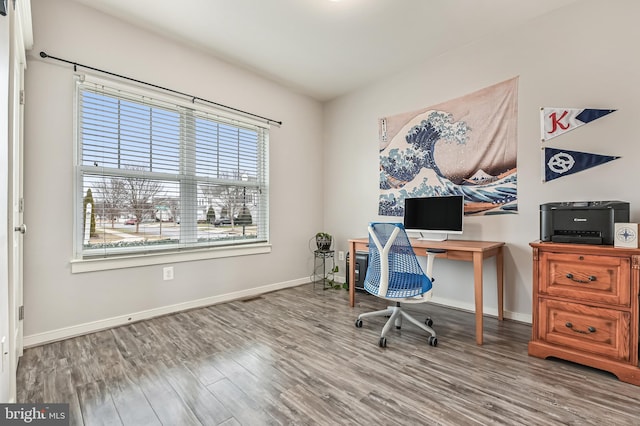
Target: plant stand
[{"x": 321, "y": 260}]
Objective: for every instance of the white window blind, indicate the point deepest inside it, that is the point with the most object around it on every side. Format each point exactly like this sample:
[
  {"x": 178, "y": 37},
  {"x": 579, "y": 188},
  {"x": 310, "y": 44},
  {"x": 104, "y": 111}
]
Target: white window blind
[{"x": 163, "y": 174}]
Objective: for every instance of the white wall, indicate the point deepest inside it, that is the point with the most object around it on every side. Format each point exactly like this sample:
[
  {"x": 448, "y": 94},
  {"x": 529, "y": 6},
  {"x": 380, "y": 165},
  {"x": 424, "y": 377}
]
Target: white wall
[
  {"x": 580, "y": 56},
  {"x": 58, "y": 303}
]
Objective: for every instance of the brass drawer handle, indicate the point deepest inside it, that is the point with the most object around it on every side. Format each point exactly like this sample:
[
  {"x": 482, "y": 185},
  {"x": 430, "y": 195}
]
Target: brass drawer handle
[
  {"x": 591, "y": 278},
  {"x": 590, "y": 329}
]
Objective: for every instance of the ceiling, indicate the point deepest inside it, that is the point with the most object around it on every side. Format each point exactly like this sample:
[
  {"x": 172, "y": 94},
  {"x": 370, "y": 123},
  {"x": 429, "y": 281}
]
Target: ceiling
[{"x": 326, "y": 48}]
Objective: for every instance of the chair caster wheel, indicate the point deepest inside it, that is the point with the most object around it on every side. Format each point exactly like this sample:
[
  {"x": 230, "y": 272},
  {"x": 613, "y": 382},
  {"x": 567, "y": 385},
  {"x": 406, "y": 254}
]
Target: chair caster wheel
[
  {"x": 382, "y": 342},
  {"x": 358, "y": 323},
  {"x": 428, "y": 322},
  {"x": 433, "y": 341}
]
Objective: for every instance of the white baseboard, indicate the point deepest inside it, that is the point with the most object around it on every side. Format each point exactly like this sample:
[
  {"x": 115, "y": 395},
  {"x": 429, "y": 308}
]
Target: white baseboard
[
  {"x": 516, "y": 316},
  {"x": 94, "y": 326},
  {"x": 470, "y": 307}
]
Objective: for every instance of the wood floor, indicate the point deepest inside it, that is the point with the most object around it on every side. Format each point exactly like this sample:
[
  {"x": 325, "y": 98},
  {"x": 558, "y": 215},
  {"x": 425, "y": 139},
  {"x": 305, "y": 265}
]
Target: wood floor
[{"x": 294, "y": 357}]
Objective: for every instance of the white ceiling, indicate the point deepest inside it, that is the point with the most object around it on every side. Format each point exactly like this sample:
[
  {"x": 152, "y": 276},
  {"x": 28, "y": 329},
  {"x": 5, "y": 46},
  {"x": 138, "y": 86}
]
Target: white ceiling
[{"x": 325, "y": 48}]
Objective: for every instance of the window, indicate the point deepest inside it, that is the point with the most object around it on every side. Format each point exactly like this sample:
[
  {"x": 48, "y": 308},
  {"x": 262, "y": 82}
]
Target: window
[{"x": 158, "y": 174}]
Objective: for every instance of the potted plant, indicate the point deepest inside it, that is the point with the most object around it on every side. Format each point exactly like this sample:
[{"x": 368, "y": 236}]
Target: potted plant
[
  {"x": 323, "y": 241},
  {"x": 333, "y": 283}
]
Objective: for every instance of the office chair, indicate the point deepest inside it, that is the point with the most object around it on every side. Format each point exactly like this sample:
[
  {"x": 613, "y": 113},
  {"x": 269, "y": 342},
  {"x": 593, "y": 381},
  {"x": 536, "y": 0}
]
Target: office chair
[{"x": 395, "y": 274}]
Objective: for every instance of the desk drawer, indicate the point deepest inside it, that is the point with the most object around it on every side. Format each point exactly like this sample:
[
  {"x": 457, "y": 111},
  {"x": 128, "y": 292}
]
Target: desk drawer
[
  {"x": 602, "y": 279},
  {"x": 589, "y": 329}
]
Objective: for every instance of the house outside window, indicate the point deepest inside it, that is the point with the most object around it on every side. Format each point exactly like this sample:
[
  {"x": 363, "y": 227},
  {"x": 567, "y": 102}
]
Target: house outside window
[{"x": 157, "y": 174}]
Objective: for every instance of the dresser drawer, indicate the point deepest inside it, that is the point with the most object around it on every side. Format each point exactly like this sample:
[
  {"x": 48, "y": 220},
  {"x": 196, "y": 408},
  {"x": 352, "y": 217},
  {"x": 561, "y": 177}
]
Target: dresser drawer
[
  {"x": 589, "y": 329},
  {"x": 603, "y": 279}
]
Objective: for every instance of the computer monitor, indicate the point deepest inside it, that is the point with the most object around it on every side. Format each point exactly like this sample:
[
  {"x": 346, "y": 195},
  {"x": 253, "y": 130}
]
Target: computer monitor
[{"x": 434, "y": 217}]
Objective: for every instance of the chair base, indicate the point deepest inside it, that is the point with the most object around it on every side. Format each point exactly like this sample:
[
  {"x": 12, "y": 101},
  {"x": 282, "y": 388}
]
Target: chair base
[{"x": 396, "y": 314}]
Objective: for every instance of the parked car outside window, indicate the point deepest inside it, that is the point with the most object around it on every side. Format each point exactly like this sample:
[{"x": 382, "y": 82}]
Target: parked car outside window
[{"x": 222, "y": 221}]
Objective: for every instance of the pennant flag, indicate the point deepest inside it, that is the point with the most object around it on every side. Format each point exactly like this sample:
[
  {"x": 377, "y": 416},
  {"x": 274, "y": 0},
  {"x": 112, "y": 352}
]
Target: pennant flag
[
  {"x": 556, "y": 121},
  {"x": 562, "y": 162}
]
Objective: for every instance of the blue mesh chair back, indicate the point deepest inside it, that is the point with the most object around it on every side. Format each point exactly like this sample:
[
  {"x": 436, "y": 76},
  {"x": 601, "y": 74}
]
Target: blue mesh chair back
[{"x": 405, "y": 276}]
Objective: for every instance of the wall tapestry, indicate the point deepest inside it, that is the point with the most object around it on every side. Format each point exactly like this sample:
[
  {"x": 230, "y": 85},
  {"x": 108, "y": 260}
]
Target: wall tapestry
[
  {"x": 556, "y": 121},
  {"x": 465, "y": 146}
]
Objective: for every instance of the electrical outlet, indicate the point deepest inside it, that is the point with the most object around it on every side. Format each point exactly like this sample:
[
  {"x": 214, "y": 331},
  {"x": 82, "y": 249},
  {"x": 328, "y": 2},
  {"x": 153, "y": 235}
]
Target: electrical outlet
[
  {"x": 167, "y": 273},
  {"x": 340, "y": 255}
]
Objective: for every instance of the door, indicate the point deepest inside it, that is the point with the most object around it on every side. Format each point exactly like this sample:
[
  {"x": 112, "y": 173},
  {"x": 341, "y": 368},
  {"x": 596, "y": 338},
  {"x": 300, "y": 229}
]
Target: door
[
  {"x": 16, "y": 209},
  {"x": 17, "y": 64},
  {"x": 5, "y": 235}
]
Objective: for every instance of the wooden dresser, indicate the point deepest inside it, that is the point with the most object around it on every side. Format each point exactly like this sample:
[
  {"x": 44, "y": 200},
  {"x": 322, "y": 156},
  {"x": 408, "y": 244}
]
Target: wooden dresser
[{"x": 585, "y": 306}]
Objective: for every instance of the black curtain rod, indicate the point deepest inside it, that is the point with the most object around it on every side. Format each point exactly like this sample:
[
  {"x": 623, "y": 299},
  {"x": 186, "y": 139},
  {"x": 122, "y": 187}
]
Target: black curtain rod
[{"x": 193, "y": 98}]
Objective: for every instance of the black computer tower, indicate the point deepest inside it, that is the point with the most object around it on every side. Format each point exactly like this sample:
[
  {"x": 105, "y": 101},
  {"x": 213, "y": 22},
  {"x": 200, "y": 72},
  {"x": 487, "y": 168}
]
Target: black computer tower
[{"x": 360, "y": 269}]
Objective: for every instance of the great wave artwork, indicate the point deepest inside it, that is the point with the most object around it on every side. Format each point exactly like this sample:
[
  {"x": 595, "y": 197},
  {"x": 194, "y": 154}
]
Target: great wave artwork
[{"x": 466, "y": 146}]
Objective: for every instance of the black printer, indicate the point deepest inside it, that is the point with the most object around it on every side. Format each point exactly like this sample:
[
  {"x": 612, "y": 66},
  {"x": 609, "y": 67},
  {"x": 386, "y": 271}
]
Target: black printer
[{"x": 583, "y": 222}]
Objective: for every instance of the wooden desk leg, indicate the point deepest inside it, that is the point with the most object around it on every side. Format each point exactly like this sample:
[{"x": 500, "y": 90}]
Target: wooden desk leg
[
  {"x": 352, "y": 275},
  {"x": 500, "y": 279},
  {"x": 477, "y": 283}
]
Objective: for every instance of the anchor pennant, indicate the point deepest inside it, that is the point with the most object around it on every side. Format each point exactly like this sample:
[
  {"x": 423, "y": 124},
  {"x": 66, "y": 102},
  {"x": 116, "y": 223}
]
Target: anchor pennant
[{"x": 558, "y": 163}]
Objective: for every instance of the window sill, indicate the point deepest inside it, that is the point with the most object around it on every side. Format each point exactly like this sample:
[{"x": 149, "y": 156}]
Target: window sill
[{"x": 104, "y": 264}]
